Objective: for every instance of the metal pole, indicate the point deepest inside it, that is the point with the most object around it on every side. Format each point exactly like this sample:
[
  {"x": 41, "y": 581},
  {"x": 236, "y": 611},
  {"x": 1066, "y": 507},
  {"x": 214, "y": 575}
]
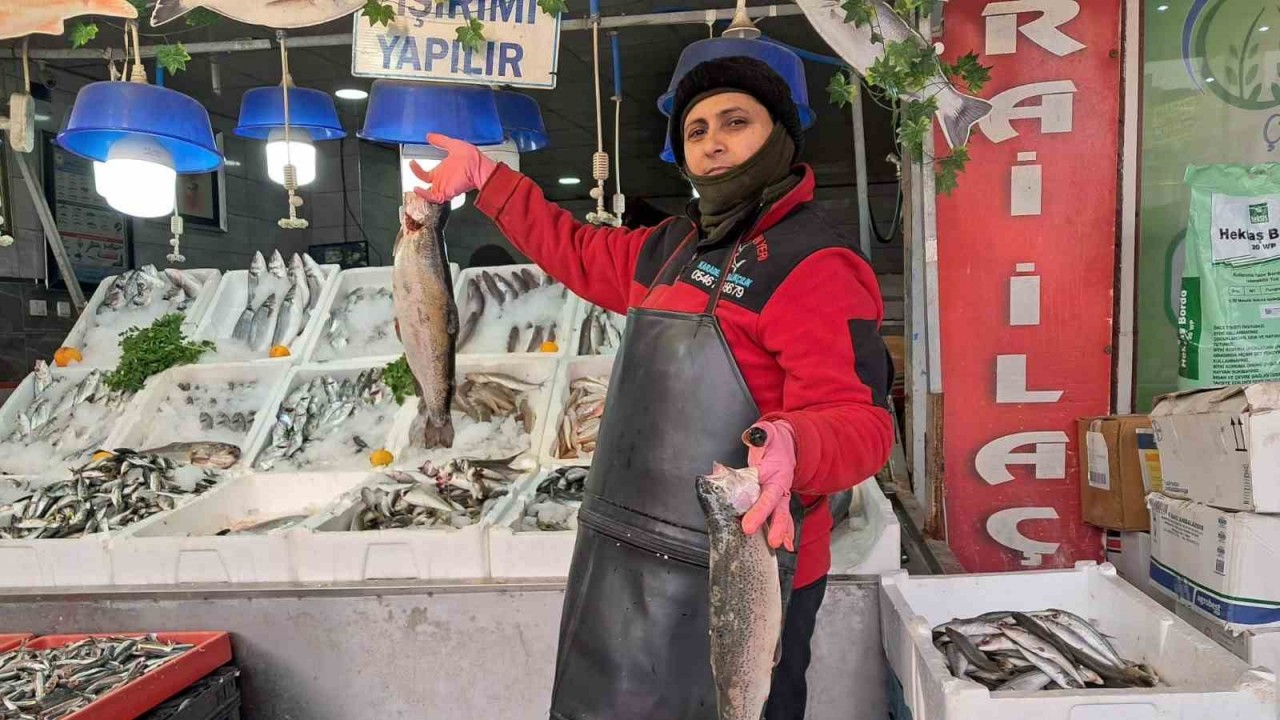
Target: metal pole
[
  {"x": 51, "y": 234},
  {"x": 917, "y": 334},
  {"x": 1124, "y": 368},
  {"x": 860, "y": 169},
  {"x": 928, "y": 198},
  {"x": 691, "y": 17}
]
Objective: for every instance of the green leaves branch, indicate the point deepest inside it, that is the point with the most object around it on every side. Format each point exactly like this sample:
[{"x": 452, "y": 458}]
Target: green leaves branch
[{"x": 900, "y": 76}]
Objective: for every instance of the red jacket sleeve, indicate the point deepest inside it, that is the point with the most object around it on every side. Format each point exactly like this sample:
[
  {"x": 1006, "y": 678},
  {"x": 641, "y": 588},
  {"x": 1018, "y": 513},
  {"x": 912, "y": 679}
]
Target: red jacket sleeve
[
  {"x": 596, "y": 263},
  {"x": 822, "y": 325}
]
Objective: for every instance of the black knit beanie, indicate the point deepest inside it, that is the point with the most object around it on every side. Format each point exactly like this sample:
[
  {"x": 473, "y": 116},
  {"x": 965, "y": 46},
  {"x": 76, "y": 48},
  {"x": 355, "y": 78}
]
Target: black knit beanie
[{"x": 743, "y": 74}]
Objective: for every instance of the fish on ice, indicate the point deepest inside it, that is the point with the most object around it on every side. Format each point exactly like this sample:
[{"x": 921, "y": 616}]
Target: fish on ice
[
  {"x": 48, "y": 17},
  {"x": 270, "y": 13},
  {"x": 746, "y": 595},
  {"x": 957, "y": 112}
]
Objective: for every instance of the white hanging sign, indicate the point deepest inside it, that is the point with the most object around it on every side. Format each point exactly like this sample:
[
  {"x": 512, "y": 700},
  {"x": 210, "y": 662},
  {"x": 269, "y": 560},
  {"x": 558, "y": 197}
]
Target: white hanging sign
[{"x": 521, "y": 43}]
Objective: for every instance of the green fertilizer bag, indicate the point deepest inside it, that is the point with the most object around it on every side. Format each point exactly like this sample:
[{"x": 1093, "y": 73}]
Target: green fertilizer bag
[{"x": 1229, "y": 304}]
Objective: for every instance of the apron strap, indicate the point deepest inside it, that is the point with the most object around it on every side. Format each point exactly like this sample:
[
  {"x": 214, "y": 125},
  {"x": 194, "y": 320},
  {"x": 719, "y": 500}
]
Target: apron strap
[{"x": 657, "y": 279}]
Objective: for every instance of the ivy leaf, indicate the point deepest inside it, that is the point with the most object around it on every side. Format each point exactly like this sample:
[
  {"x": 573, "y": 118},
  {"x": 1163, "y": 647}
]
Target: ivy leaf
[
  {"x": 841, "y": 90},
  {"x": 173, "y": 58},
  {"x": 877, "y": 37},
  {"x": 200, "y": 17},
  {"x": 379, "y": 13},
  {"x": 553, "y": 7},
  {"x": 141, "y": 6},
  {"x": 973, "y": 73},
  {"x": 82, "y": 33},
  {"x": 947, "y": 175},
  {"x": 471, "y": 35},
  {"x": 858, "y": 12},
  {"x": 914, "y": 122}
]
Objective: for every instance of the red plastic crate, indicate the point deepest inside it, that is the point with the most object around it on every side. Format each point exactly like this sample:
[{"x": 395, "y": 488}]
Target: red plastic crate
[
  {"x": 12, "y": 640},
  {"x": 211, "y": 651}
]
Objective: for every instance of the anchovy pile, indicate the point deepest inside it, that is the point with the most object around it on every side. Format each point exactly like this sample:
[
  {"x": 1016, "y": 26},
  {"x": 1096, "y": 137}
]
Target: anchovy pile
[
  {"x": 315, "y": 410},
  {"x": 555, "y": 504},
  {"x": 483, "y": 396},
  {"x": 580, "y": 421},
  {"x": 279, "y": 301},
  {"x": 107, "y": 494},
  {"x": 53, "y": 683},
  {"x": 346, "y": 318},
  {"x": 237, "y": 422},
  {"x": 505, "y": 296},
  {"x": 601, "y": 332},
  {"x": 1036, "y": 650},
  {"x": 56, "y": 402},
  {"x": 455, "y": 495},
  {"x": 138, "y": 288}
]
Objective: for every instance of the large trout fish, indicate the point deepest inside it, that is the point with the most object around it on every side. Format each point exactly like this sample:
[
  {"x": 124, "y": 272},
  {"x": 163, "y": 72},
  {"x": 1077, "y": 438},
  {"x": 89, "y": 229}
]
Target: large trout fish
[
  {"x": 426, "y": 317},
  {"x": 746, "y": 597}
]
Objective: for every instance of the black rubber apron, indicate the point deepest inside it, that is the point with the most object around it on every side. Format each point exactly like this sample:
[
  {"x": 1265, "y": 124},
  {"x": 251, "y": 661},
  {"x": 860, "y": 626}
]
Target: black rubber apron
[{"x": 634, "y": 634}]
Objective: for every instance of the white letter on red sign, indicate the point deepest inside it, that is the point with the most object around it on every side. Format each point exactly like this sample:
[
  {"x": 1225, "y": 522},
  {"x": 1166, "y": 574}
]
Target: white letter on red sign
[
  {"x": 1024, "y": 297},
  {"x": 1002, "y": 26},
  {"x": 1049, "y": 457},
  {"x": 1003, "y": 528},
  {"x": 1011, "y": 382},
  {"x": 1055, "y": 109}
]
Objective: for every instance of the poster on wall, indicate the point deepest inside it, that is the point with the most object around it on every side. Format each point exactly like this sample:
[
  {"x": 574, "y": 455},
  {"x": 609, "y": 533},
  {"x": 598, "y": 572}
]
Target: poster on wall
[
  {"x": 95, "y": 235},
  {"x": 521, "y": 43},
  {"x": 1211, "y": 95},
  {"x": 1026, "y": 270}
]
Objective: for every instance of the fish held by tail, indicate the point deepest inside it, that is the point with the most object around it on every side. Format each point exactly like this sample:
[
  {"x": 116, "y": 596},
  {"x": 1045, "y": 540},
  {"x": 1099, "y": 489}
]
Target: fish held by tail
[{"x": 958, "y": 113}]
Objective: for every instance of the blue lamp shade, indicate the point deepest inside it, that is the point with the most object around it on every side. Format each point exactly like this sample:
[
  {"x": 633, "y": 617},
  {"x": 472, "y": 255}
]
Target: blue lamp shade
[
  {"x": 403, "y": 112},
  {"x": 262, "y": 110},
  {"x": 106, "y": 112},
  {"x": 521, "y": 120},
  {"x": 783, "y": 61}
]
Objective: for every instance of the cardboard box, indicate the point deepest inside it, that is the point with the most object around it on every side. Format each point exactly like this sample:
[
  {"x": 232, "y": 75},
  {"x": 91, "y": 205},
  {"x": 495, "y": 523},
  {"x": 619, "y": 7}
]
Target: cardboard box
[
  {"x": 1130, "y": 553},
  {"x": 1112, "y": 492},
  {"x": 1220, "y": 562},
  {"x": 1217, "y": 446},
  {"x": 1260, "y": 648}
]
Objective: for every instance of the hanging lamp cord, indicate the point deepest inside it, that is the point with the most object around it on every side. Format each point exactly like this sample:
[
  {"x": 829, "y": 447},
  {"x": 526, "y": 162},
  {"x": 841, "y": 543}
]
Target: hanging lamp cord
[
  {"x": 139, "y": 72},
  {"x": 293, "y": 222}
]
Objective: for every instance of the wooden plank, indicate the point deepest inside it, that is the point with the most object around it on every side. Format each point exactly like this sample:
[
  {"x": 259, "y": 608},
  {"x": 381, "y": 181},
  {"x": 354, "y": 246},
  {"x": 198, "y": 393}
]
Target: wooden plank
[{"x": 936, "y": 524}]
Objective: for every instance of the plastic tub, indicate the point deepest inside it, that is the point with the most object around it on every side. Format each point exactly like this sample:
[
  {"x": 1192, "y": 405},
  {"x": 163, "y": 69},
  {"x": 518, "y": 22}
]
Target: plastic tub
[
  {"x": 571, "y": 369},
  {"x": 541, "y": 554},
  {"x": 492, "y": 329},
  {"x": 870, "y": 541},
  {"x": 318, "y": 349},
  {"x": 580, "y": 321},
  {"x": 100, "y": 354},
  {"x": 1198, "y": 678}
]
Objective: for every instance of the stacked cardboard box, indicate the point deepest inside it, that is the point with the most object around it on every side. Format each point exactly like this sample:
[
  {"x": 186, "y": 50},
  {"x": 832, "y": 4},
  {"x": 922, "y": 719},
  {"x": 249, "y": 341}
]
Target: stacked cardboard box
[{"x": 1215, "y": 524}]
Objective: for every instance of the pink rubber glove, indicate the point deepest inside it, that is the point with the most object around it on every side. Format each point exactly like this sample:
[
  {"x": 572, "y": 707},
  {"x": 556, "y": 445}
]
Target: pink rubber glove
[
  {"x": 463, "y": 170},
  {"x": 776, "y": 465}
]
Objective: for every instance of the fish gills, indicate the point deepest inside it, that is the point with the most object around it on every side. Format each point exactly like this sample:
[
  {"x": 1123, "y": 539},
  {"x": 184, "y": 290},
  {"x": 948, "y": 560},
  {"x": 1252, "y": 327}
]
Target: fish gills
[
  {"x": 426, "y": 314},
  {"x": 746, "y": 597}
]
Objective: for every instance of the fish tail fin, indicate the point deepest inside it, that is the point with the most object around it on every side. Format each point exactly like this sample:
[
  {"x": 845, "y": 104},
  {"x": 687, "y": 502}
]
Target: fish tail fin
[
  {"x": 958, "y": 113},
  {"x": 167, "y": 10},
  {"x": 436, "y": 432}
]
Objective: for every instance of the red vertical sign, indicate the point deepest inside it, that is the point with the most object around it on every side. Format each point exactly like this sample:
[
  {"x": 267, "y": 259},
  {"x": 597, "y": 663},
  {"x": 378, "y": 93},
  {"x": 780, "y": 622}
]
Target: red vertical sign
[{"x": 1026, "y": 269}]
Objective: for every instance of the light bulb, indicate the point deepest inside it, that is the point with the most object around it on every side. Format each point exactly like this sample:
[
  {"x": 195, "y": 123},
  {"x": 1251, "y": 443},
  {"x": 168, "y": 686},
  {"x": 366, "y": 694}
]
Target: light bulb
[
  {"x": 299, "y": 150},
  {"x": 138, "y": 178},
  {"x": 409, "y": 181}
]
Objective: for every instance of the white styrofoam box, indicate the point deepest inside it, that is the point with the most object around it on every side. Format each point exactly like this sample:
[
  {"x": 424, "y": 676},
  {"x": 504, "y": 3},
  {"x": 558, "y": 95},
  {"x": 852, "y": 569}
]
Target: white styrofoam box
[
  {"x": 1259, "y": 648},
  {"x": 1221, "y": 562},
  {"x": 1217, "y": 446},
  {"x": 565, "y": 314},
  {"x": 580, "y": 319},
  {"x": 1198, "y": 678},
  {"x": 89, "y": 319},
  {"x": 12, "y": 459},
  {"x": 136, "y": 428},
  {"x": 571, "y": 369},
  {"x": 348, "y": 280},
  {"x": 182, "y": 546},
  {"x": 324, "y": 550},
  {"x": 298, "y": 375},
  {"x": 870, "y": 541},
  {"x": 227, "y": 306},
  {"x": 540, "y": 369},
  {"x": 55, "y": 563},
  {"x": 542, "y": 554}
]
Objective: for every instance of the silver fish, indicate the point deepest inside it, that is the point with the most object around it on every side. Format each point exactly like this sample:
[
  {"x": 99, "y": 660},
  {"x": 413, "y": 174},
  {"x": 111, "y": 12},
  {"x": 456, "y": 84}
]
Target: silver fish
[
  {"x": 43, "y": 377},
  {"x": 88, "y": 388},
  {"x": 315, "y": 281},
  {"x": 190, "y": 288},
  {"x": 264, "y": 325},
  {"x": 957, "y": 113},
  {"x": 535, "y": 342},
  {"x": 115, "y": 297},
  {"x": 426, "y": 316},
  {"x": 474, "y": 304},
  {"x": 276, "y": 14},
  {"x": 244, "y": 326},
  {"x": 745, "y": 592},
  {"x": 298, "y": 276},
  {"x": 276, "y": 265},
  {"x": 291, "y": 317},
  {"x": 486, "y": 278},
  {"x": 1026, "y": 682},
  {"x": 201, "y": 454}
]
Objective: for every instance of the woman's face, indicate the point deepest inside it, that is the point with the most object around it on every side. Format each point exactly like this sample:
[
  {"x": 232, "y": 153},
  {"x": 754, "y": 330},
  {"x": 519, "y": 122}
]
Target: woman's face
[{"x": 723, "y": 131}]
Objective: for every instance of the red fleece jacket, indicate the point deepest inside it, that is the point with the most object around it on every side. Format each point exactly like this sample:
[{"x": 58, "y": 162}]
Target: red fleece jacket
[{"x": 800, "y": 312}]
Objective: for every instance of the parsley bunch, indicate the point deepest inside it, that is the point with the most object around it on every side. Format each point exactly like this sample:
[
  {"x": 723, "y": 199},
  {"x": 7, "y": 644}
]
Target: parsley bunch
[{"x": 152, "y": 350}]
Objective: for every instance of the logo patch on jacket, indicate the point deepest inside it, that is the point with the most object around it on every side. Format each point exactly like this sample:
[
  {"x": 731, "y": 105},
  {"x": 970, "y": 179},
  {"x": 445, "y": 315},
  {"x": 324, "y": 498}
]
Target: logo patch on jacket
[{"x": 704, "y": 271}]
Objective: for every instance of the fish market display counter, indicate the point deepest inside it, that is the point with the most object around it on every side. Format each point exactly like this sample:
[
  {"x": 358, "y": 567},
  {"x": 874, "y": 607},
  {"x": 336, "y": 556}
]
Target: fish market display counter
[{"x": 414, "y": 650}]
